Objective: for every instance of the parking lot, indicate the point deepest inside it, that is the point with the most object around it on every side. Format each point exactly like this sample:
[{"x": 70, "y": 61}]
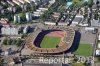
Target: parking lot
[{"x": 87, "y": 37}]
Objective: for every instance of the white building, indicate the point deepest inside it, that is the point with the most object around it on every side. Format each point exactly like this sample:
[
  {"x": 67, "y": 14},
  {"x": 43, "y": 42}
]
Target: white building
[
  {"x": 28, "y": 16},
  {"x": 5, "y": 53},
  {"x": 16, "y": 18},
  {"x": 22, "y": 1},
  {"x": 16, "y": 2},
  {"x": 10, "y": 2},
  {"x": 43, "y": 9},
  {"x": 99, "y": 45},
  {"x": 39, "y": 12},
  {"x": 50, "y": 23},
  {"x": 95, "y": 23},
  {"x": 97, "y": 52},
  {"x": 99, "y": 37},
  {"x": 25, "y": 30},
  {"x": 62, "y": 23},
  {"x": 23, "y": 7},
  {"x": 9, "y": 31},
  {"x": 89, "y": 28},
  {"x": 29, "y": 1},
  {"x": 52, "y": 1},
  {"x": 36, "y": 1},
  {"x": 77, "y": 19},
  {"x": 95, "y": 1},
  {"x": 84, "y": 25}
]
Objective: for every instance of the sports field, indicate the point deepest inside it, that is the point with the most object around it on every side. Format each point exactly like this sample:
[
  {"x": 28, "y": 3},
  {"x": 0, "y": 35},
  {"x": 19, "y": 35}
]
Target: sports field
[
  {"x": 84, "y": 50},
  {"x": 50, "y": 42}
]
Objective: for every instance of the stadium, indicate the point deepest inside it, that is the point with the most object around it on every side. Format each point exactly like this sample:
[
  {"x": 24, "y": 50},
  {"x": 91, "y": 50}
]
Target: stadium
[{"x": 50, "y": 40}]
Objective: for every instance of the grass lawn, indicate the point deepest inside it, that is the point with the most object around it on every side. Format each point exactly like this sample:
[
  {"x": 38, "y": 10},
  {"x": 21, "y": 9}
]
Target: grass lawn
[
  {"x": 78, "y": 64},
  {"x": 84, "y": 50},
  {"x": 50, "y": 42}
]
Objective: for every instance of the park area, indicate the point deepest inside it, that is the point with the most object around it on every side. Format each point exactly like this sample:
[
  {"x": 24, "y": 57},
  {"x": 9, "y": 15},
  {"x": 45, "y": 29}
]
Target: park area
[
  {"x": 84, "y": 50},
  {"x": 50, "y": 42}
]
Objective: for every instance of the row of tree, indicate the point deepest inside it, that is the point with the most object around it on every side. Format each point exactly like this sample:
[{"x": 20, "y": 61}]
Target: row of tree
[{"x": 16, "y": 42}]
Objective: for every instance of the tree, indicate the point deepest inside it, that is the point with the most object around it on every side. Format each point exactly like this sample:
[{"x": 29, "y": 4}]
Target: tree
[
  {"x": 97, "y": 2},
  {"x": 6, "y": 5},
  {"x": 43, "y": 17},
  {"x": 18, "y": 43},
  {"x": 19, "y": 9},
  {"x": 5, "y": 41},
  {"x": 23, "y": 16},
  {"x": 28, "y": 7},
  {"x": 96, "y": 16},
  {"x": 1, "y": 61},
  {"x": 23, "y": 35},
  {"x": 14, "y": 41},
  {"x": 9, "y": 41},
  {"x": 90, "y": 3},
  {"x": 61, "y": 9},
  {"x": 76, "y": 1},
  {"x": 85, "y": 3},
  {"x": 33, "y": 6}
]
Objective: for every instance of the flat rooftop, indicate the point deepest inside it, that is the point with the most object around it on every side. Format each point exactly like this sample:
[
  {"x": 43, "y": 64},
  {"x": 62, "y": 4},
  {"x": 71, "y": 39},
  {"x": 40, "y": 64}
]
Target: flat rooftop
[{"x": 77, "y": 19}]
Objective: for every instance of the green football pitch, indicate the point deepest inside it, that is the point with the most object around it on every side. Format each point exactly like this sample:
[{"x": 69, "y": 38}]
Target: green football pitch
[
  {"x": 84, "y": 50},
  {"x": 50, "y": 42}
]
